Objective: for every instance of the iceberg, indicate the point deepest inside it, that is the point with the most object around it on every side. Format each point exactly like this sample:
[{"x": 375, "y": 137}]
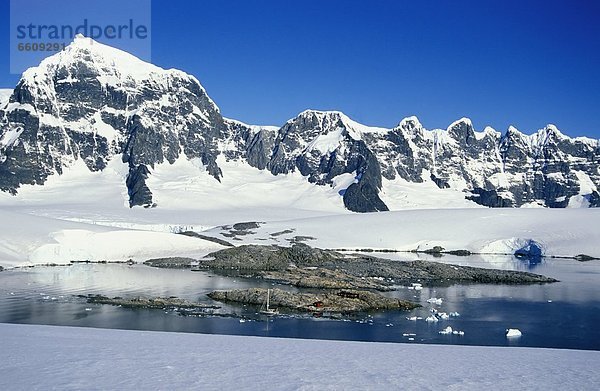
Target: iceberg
[{"x": 447, "y": 330}]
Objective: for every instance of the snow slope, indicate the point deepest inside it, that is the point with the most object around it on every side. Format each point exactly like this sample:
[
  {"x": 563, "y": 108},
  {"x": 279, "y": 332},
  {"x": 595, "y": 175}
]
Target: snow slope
[
  {"x": 559, "y": 232},
  {"x": 81, "y": 215},
  {"x": 5, "y": 94},
  {"x": 29, "y": 240},
  {"x": 67, "y": 220},
  {"x": 67, "y": 358}
]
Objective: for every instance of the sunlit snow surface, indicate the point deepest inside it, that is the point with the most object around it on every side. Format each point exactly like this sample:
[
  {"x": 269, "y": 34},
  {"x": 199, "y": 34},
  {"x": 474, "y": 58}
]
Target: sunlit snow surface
[
  {"x": 5, "y": 94},
  {"x": 46, "y": 357},
  {"x": 84, "y": 216}
]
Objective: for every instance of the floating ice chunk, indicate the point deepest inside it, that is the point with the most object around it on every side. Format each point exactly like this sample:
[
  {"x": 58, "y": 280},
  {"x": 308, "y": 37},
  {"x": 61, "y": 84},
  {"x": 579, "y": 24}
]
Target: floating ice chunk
[
  {"x": 454, "y": 314},
  {"x": 409, "y": 334},
  {"x": 443, "y": 315},
  {"x": 416, "y": 286},
  {"x": 411, "y": 339},
  {"x": 431, "y": 318},
  {"x": 513, "y": 333},
  {"x": 457, "y": 332},
  {"x": 435, "y": 301},
  {"x": 242, "y": 320},
  {"x": 412, "y": 318},
  {"x": 447, "y": 330},
  {"x": 88, "y": 309}
]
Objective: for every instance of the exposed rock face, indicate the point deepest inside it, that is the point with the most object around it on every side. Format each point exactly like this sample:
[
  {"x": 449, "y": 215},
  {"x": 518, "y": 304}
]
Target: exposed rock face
[
  {"x": 304, "y": 266},
  {"x": 94, "y": 103},
  {"x": 267, "y": 258},
  {"x": 145, "y": 302},
  {"x": 342, "y": 301}
]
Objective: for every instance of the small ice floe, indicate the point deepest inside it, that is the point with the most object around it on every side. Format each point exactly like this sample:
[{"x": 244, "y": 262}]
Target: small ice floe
[
  {"x": 413, "y": 318},
  {"x": 416, "y": 286},
  {"x": 409, "y": 335},
  {"x": 447, "y": 330},
  {"x": 45, "y": 297},
  {"x": 433, "y": 311},
  {"x": 88, "y": 309},
  {"x": 458, "y": 332},
  {"x": 431, "y": 318},
  {"x": 443, "y": 315},
  {"x": 242, "y": 320},
  {"x": 411, "y": 339},
  {"x": 454, "y": 314},
  {"x": 435, "y": 301},
  {"x": 389, "y": 325},
  {"x": 513, "y": 333},
  {"x": 549, "y": 301}
]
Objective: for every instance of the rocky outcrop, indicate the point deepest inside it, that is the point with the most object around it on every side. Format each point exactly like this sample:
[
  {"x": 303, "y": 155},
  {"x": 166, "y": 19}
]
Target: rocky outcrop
[
  {"x": 146, "y": 302},
  {"x": 304, "y": 266},
  {"x": 340, "y": 301},
  {"x": 170, "y": 262},
  {"x": 266, "y": 258},
  {"x": 322, "y": 278}
]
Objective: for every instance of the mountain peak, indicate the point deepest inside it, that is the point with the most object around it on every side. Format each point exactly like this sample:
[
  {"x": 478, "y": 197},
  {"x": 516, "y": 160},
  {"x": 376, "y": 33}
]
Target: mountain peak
[
  {"x": 464, "y": 120},
  {"x": 410, "y": 122},
  {"x": 99, "y": 55},
  {"x": 111, "y": 65}
]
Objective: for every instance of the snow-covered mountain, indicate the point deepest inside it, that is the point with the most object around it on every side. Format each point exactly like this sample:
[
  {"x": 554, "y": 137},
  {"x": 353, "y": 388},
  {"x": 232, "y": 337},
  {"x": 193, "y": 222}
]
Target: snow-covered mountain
[{"x": 95, "y": 104}]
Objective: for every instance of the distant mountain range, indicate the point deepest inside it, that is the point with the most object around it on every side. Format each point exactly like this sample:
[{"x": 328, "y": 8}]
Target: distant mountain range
[{"x": 97, "y": 103}]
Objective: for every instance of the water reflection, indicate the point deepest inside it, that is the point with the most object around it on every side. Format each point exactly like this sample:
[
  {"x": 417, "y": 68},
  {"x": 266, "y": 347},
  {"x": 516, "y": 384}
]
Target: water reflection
[{"x": 564, "y": 314}]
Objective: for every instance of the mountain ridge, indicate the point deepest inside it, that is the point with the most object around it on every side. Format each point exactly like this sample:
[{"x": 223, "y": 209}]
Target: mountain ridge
[{"x": 97, "y": 103}]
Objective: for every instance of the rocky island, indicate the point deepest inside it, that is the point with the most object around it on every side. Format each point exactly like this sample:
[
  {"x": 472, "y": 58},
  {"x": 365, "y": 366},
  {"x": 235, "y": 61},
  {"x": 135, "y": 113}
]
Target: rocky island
[
  {"x": 328, "y": 301},
  {"x": 306, "y": 267},
  {"x": 144, "y": 302}
]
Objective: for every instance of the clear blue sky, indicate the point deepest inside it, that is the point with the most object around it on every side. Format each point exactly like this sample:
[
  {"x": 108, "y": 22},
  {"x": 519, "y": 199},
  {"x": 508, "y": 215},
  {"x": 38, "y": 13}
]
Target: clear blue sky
[{"x": 525, "y": 63}]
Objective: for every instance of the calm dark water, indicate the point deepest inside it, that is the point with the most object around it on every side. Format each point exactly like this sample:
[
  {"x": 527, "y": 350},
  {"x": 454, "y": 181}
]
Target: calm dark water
[{"x": 560, "y": 315}]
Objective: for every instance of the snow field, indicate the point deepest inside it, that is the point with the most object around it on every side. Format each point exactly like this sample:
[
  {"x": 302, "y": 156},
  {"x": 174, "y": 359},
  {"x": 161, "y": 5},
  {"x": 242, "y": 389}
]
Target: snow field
[{"x": 67, "y": 358}]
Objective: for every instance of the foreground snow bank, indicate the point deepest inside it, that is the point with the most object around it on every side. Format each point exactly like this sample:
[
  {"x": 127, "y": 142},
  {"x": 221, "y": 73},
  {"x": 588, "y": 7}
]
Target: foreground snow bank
[{"x": 47, "y": 357}]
